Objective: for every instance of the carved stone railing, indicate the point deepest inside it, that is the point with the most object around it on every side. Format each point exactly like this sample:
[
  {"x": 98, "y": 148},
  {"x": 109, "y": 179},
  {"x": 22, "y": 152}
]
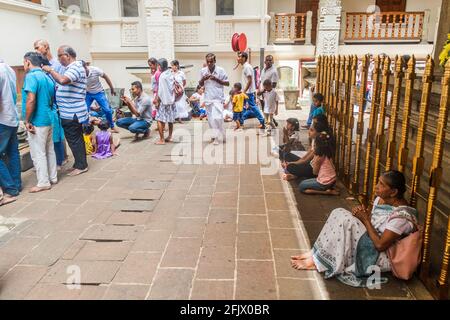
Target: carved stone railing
[
  {"x": 386, "y": 26},
  {"x": 288, "y": 28}
]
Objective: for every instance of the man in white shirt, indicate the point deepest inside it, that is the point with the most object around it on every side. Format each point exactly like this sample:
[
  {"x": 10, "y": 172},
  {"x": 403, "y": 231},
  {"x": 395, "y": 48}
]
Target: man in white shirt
[
  {"x": 95, "y": 92},
  {"x": 165, "y": 102},
  {"x": 269, "y": 73},
  {"x": 249, "y": 85},
  {"x": 214, "y": 78},
  {"x": 10, "y": 168}
]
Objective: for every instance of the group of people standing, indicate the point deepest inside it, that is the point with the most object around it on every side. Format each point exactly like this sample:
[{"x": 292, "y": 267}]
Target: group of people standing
[{"x": 57, "y": 94}]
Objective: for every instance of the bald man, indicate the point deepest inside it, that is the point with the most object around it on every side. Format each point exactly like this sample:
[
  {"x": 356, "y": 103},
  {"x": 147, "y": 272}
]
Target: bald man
[{"x": 43, "y": 47}]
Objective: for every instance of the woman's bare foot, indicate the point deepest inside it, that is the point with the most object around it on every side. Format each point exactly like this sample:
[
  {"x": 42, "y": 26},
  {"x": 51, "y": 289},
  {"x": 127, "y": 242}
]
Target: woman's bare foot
[
  {"x": 39, "y": 189},
  {"x": 77, "y": 172},
  {"x": 307, "y": 264},
  {"x": 303, "y": 256},
  {"x": 289, "y": 177},
  {"x": 333, "y": 192},
  {"x": 160, "y": 143},
  {"x": 7, "y": 200}
]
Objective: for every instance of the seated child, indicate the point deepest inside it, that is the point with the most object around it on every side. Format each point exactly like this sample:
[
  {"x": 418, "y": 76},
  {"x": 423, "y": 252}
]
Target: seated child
[
  {"x": 103, "y": 143},
  {"x": 271, "y": 100},
  {"x": 88, "y": 130},
  {"x": 323, "y": 167},
  {"x": 291, "y": 140},
  {"x": 299, "y": 166},
  {"x": 195, "y": 101},
  {"x": 316, "y": 109},
  {"x": 238, "y": 105}
]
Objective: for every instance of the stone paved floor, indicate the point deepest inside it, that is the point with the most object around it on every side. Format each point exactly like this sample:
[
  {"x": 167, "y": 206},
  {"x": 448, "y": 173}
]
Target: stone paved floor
[{"x": 141, "y": 227}]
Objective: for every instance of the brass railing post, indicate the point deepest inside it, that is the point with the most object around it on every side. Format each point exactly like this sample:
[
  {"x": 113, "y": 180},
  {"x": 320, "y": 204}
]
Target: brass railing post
[
  {"x": 337, "y": 62},
  {"x": 435, "y": 182},
  {"x": 350, "y": 120},
  {"x": 319, "y": 75},
  {"x": 360, "y": 127},
  {"x": 418, "y": 161},
  {"x": 339, "y": 137},
  {"x": 404, "y": 150},
  {"x": 380, "y": 136},
  {"x": 371, "y": 131},
  {"x": 327, "y": 84},
  {"x": 392, "y": 144}
]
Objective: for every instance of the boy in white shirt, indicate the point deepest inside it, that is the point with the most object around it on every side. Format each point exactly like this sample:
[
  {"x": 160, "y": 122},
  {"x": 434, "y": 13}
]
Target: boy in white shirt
[{"x": 271, "y": 101}]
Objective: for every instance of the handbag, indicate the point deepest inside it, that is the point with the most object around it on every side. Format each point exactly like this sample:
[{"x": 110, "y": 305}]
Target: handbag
[
  {"x": 179, "y": 91},
  {"x": 405, "y": 254}
]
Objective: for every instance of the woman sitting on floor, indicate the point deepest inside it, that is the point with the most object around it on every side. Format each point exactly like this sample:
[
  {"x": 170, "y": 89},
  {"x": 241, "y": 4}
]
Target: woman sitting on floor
[
  {"x": 297, "y": 167},
  {"x": 352, "y": 242}
]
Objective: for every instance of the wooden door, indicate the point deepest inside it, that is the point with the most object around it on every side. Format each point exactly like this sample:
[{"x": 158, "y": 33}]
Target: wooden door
[
  {"x": 391, "y": 5},
  {"x": 303, "y": 6}
]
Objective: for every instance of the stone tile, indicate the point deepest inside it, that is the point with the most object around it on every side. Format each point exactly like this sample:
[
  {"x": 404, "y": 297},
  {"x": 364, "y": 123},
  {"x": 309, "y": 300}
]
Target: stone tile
[
  {"x": 151, "y": 241},
  {"x": 288, "y": 239},
  {"x": 297, "y": 289},
  {"x": 172, "y": 284},
  {"x": 128, "y": 219},
  {"x": 180, "y": 185},
  {"x": 251, "y": 190},
  {"x": 224, "y": 200},
  {"x": 277, "y": 201},
  {"x": 394, "y": 289},
  {"x": 249, "y": 285},
  {"x": 20, "y": 245},
  {"x": 228, "y": 172},
  {"x": 73, "y": 250},
  {"x": 8, "y": 260},
  {"x": 104, "y": 251},
  {"x": 201, "y": 191},
  {"x": 77, "y": 196},
  {"x": 152, "y": 185},
  {"x": 13, "y": 208},
  {"x": 339, "y": 291},
  {"x": 228, "y": 179},
  {"x": 196, "y": 208},
  {"x": 273, "y": 186},
  {"x": 133, "y": 205},
  {"x": 313, "y": 229},
  {"x": 284, "y": 268},
  {"x": 227, "y": 187},
  {"x": 222, "y": 215},
  {"x": 126, "y": 292},
  {"x": 63, "y": 292},
  {"x": 254, "y": 246},
  {"x": 111, "y": 233},
  {"x": 162, "y": 222},
  {"x": 217, "y": 263},
  {"x": 282, "y": 219},
  {"x": 93, "y": 184},
  {"x": 204, "y": 180},
  {"x": 91, "y": 272},
  {"x": 50, "y": 249},
  {"x": 19, "y": 281},
  {"x": 146, "y": 194},
  {"x": 138, "y": 268},
  {"x": 223, "y": 234},
  {"x": 37, "y": 209},
  {"x": 60, "y": 212},
  {"x": 250, "y": 178},
  {"x": 181, "y": 253},
  {"x": 190, "y": 228},
  {"x": 252, "y": 205},
  {"x": 253, "y": 223},
  {"x": 184, "y": 176},
  {"x": 212, "y": 290}
]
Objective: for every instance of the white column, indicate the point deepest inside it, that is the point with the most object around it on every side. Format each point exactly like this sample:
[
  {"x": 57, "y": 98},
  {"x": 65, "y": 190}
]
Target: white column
[
  {"x": 329, "y": 27},
  {"x": 160, "y": 29}
]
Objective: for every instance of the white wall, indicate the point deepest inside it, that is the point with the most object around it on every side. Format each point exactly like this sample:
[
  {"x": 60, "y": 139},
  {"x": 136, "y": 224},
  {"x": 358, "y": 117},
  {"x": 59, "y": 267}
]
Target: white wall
[
  {"x": 282, "y": 6},
  {"x": 19, "y": 30}
]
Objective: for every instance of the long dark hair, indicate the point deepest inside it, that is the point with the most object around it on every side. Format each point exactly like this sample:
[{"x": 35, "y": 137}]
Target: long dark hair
[
  {"x": 295, "y": 123},
  {"x": 396, "y": 180},
  {"x": 324, "y": 146}
]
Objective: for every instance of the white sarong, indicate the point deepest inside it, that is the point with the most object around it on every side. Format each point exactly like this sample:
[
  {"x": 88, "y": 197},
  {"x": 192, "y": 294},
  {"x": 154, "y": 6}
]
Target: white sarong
[{"x": 214, "y": 110}]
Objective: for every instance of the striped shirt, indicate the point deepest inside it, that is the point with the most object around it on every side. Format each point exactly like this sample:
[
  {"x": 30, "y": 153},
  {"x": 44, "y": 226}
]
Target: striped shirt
[{"x": 71, "y": 98}]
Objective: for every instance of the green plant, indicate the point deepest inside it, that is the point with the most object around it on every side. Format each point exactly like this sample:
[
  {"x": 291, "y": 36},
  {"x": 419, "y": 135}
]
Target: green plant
[{"x": 445, "y": 54}]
